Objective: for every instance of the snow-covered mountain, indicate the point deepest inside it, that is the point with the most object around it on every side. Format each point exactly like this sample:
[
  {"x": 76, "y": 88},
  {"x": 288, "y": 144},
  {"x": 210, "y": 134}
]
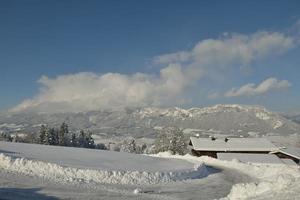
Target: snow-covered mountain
[
  {"x": 144, "y": 122},
  {"x": 293, "y": 117}
]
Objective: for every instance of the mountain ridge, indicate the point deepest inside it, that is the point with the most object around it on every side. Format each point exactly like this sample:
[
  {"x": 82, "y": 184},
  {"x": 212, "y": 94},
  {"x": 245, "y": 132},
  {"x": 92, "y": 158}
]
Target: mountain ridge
[{"x": 233, "y": 119}]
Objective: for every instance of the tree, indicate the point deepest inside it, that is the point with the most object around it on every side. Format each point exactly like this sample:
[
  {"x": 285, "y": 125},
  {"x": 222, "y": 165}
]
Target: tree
[
  {"x": 16, "y": 138},
  {"x": 52, "y": 136},
  {"x": 73, "y": 141},
  {"x": 47, "y": 139},
  {"x": 101, "y": 146},
  {"x": 81, "y": 139},
  {"x": 32, "y": 138},
  {"x": 90, "y": 141},
  {"x": 63, "y": 131},
  {"x": 171, "y": 139},
  {"x": 55, "y": 136},
  {"x": 129, "y": 146},
  {"x": 42, "y": 134},
  {"x": 86, "y": 140},
  {"x": 141, "y": 149},
  {"x": 6, "y": 137}
]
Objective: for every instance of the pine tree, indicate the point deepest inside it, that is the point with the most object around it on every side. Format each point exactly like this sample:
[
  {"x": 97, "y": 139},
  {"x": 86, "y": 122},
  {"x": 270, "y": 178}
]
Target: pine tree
[
  {"x": 63, "y": 134},
  {"x": 81, "y": 139},
  {"x": 86, "y": 140},
  {"x": 7, "y": 137},
  {"x": 55, "y": 136},
  {"x": 52, "y": 136},
  {"x": 90, "y": 143},
  {"x": 42, "y": 134},
  {"x": 73, "y": 141},
  {"x": 47, "y": 136}
]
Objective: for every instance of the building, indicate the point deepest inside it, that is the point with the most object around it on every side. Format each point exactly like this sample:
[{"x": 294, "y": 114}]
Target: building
[
  {"x": 212, "y": 146},
  {"x": 255, "y": 150},
  {"x": 289, "y": 153},
  {"x": 255, "y": 158}
]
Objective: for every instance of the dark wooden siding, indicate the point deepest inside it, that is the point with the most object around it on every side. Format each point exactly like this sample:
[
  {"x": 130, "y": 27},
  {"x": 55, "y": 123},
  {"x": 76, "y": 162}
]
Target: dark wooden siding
[
  {"x": 214, "y": 153},
  {"x": 284, "y": 156}
]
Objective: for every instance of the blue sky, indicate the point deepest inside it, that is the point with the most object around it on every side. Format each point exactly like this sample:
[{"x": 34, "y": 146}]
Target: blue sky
[{"x": 46, "y": 46}]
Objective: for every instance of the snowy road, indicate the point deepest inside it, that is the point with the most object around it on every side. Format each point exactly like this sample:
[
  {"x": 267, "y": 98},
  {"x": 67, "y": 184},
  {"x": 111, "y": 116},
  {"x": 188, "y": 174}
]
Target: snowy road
[{"x": 214, "y": 186}]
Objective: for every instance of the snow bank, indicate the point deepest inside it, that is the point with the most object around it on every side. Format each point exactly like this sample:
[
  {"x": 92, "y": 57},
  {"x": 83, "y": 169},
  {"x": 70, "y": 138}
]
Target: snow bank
[
  {"x": 283, "y": 186},
  {"x": 63, "y": 174},
  {"x": 92, "y": 159},
  {"x": 270, "y": 181}
]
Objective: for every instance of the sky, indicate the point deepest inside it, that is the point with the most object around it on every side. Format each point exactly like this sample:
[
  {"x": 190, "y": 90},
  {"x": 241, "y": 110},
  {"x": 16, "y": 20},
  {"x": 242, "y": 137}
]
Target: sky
[{"x": 63, "y": 55}]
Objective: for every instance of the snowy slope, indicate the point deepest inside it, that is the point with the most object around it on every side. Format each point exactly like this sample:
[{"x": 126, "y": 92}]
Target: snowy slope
[
  {"x": 67, "y": 164},
  {"x": 294, "y": 117},
  {"x": 91, "y": 159}
]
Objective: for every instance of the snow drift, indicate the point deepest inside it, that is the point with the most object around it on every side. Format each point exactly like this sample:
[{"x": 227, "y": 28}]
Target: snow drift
[
  {"x": 70, "y": 166},
  {"x": 63, "y": 174}
]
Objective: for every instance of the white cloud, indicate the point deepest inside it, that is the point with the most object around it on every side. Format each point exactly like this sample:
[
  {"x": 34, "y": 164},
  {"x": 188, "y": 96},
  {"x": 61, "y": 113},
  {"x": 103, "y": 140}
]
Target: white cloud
[
  {"x": 232, "y": 49},
  {"x": 213, "y": 95},
  {"x": 173, "y": 57},
  {"x": 250, "y": 89},
  {"x": 89, "y": 91}
]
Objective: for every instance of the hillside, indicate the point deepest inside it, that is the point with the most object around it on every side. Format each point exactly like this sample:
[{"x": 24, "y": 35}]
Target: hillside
[
  {"x": 144, "y": 122},
  {"x": 293, "y": 117}
]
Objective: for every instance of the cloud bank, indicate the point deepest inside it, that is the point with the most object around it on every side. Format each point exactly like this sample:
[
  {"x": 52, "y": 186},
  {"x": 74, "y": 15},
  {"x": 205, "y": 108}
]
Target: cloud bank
[
  {"x": 231, "y": 49},
  {"x": 90, "y": 91},
  {"x": 250, "y": 89}
]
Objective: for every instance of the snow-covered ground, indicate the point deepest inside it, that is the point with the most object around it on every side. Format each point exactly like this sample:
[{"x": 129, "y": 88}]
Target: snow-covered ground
[
  {"x": 269, "y": 181},
  {"x": 65, "y": 164},
  {"x": 30, "y": 171}
]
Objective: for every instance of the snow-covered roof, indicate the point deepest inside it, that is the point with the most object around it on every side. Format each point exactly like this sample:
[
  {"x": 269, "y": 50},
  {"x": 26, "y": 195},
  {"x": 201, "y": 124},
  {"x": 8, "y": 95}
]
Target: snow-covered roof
[
  {"x": 251, "y": 158},
  {"x": 291, "y": 151},
  {"x": 232, "y": 144}
]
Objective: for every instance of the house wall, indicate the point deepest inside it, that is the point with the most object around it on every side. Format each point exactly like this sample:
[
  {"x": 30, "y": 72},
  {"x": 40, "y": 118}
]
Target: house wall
[
  {"x": 284, "y": 156},
  {"x": 204, "y": 153},
  {"x": 214, "y": 153}
]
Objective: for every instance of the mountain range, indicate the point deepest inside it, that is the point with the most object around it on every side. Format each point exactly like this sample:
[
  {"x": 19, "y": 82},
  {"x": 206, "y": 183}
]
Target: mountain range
[{"x": 238, "y": 120}]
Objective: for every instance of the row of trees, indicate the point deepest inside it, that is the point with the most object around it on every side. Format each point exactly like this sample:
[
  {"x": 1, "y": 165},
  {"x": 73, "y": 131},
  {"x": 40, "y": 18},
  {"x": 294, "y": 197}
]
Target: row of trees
[
  {"x": 168, "y": 139},
  {"x": 6, "y": 137},
  {"x": 62, "y": 137}
]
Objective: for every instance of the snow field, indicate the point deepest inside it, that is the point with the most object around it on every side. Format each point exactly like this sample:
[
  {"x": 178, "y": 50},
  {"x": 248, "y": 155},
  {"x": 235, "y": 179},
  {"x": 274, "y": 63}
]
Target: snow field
[
  {"x": 63, "y": 174},
  {"x": 76, "y": 166},
  {"x": 270, "y": 181}
]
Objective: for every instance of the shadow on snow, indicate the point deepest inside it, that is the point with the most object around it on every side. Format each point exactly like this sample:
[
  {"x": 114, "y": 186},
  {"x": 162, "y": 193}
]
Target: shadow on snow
[{"x": 23, "y": 194}]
